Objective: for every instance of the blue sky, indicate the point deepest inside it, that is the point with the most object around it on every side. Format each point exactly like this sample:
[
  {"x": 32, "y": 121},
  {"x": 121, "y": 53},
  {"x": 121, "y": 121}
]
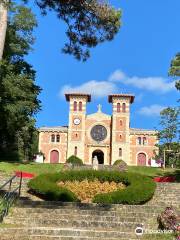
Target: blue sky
[{"x": 136, "y": 61}]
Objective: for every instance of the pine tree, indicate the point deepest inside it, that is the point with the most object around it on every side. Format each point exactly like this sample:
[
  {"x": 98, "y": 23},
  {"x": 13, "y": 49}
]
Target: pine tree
[
  {"x": 175, "y": 69},
  {"x": 89, "y": 23},
  {"x": 18, "y": 91}
]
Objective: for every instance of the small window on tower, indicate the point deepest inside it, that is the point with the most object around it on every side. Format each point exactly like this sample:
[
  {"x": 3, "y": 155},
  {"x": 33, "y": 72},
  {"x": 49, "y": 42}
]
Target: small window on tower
[
  {"x": 75, "y": 106},
  {"x": 120, "y": 136},
  {"x": 80, "y": 106},
  {"x": 123, "y": 107},
  {"x": 58, "y": 138},
  {"x": 52, "y": 138},
  {"x": 139, "y": 140},
  {"x": 118, "y": 107},
  {"x": 75, "y": 151},
  {"x": 144, "y": 141},
  {"x": 120, "y": 152},
  {"x": 121, "y": 122}
]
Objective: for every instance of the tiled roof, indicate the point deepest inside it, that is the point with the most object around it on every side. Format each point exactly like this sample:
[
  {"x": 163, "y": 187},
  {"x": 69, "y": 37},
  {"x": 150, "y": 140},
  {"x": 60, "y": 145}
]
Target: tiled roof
[
  {"x": 57, "y": 128},
  {"x": 68, "y": 95},
  {"x": 131, "y": 96},
  {"x": 148, "y": 131}
]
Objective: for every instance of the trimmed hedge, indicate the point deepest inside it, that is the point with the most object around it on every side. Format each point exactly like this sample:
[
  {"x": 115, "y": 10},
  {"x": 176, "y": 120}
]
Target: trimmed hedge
[
  {"x": 119, "y": 162},
  {"x": 75, "y": 161},
  {"x": 139, "y": 188}
]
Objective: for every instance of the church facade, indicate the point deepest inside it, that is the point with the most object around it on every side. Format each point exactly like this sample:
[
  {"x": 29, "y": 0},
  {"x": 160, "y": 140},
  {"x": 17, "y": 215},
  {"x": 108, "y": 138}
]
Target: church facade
[{"x": 108, "y": 137}]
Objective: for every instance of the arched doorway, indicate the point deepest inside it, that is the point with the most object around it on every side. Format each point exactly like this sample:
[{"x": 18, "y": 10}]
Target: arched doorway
[
  {"x": 100, "y": 156},
  {"x": 54, "y": 156},
  {"x": 141, "y": 159}
]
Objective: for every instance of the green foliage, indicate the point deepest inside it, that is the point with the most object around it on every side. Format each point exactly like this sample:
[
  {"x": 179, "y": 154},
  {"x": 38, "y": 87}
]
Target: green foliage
[
  {"x": 89, "y": 23},
  {"x": 175, "y": 69},
  {"x": 171, "y": 157},
  {"x": 118, "y": 162},
  {"x": 175, "y": 66},
  {"x": 139, "y": 188},
  {"x": 169, "y": 123},
  {"x": 74, "y": 160},
  {"x": 44, "y": 185},
  {"x": 18, "y": 91}
]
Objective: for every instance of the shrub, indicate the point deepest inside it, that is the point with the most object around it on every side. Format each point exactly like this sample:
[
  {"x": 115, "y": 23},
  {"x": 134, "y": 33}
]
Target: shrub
[
  {"x": 139, "y": 188},
  {"x": 168, "y": 219},
  {"x": 118, "y": 162},
  {"x": 75, "y": 161},
  {"x": 45, "y": 186},
  {"x": 120, "y": 165}
]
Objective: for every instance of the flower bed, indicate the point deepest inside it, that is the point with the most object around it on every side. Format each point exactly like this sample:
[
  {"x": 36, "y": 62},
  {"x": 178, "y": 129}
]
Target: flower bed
[
  {"x": 24, "y": 174},
  {"x": 86, "y": 190},
  {"x": 164, "y": 179},
  {"x": 139, "y": 189}
]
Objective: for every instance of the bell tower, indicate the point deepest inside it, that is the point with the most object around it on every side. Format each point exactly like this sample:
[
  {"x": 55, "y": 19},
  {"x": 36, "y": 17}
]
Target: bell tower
[
  {"x": 76, "y": 128},
  {"x": 120, "y": 142}
]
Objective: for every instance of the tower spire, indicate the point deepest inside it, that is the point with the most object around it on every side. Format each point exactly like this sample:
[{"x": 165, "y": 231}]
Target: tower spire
[{"x": 99, "y": 108}]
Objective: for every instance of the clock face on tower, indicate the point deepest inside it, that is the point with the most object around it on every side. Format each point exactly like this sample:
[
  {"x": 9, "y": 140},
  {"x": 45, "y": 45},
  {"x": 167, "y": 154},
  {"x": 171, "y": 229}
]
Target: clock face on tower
[
  {"x": 98, "y": 133},
  {"x": 77, "y": 121}
]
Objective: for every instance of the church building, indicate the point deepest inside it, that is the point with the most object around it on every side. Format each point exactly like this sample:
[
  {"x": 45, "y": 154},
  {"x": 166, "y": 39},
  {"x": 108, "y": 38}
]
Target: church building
[{"x": 108, "y": 137}]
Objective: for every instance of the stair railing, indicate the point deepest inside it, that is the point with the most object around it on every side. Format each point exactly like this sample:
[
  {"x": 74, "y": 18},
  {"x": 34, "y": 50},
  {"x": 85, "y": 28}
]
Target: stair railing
[{"x": 8, "y": 195}]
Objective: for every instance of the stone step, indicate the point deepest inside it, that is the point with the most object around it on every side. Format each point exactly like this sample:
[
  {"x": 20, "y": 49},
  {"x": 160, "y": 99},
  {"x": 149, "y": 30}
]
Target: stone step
[
  {"x": 40, "y": 237},
  {"x": 82, "y": 214},
  {"x": 67, "y": 211},
  {"x": 81, "y": 206},
  {"x": 68, "y": 232},
  {"x": 124, "y": 225}
]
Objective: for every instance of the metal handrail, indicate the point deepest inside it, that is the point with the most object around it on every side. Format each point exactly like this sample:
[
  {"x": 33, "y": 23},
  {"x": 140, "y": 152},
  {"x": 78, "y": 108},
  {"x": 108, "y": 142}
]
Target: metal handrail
[{"x": 9, "y": 196}]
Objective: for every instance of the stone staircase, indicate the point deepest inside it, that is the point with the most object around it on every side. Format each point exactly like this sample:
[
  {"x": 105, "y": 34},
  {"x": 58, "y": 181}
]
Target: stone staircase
[{"x": 40, "y": 220}]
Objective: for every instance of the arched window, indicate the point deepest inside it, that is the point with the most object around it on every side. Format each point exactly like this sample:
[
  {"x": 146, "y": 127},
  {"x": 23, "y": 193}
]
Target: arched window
[
  {"x": 76, "y": 135},
  {"x": 120, "y": 136},
  {"x": 120, "y": 122},
  {"x": 75, "y": 151},
  {"x": 75, "y": 106},
  {"x": 52, "y": 138},
  {"x": 144, "y": 141},
  {"x": 80, "y": 106},
  {"x": 118, "y": 107},
  {"x": 139, "y": 140},
  {"x": 57, "y": 138},
  {"x": 123, "y": 107},
  {"x": 120, "y": 152}
]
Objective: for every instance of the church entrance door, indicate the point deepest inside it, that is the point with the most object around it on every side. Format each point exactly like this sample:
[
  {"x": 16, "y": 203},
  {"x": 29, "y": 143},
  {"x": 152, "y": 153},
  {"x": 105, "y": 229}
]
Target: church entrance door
[
  {"x": 141, "y": 159},
  {"x": 100, "y": 156},
  {"x": 54, "y": 156}
]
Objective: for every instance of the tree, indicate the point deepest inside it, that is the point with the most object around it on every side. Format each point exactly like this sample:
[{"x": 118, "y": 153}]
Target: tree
[
  {"x": 18, "y": 91},
  {"x": 3, "y": 25},
  {"x": 175, "y": 69},
  {"x": 169, "y": 123},
  {"x": 89, "y": 22}
]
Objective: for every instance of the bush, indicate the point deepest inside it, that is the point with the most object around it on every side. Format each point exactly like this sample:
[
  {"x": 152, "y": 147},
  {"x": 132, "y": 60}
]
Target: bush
[
  {"x": 139, "y": 188},
  {"x": 118, "y": 162},
  {"x": 168, "y": 219},
  {"x": 45, "y": 186},
  {"x": 120, "y": 165},
  {"x": 75, "y": 161}
]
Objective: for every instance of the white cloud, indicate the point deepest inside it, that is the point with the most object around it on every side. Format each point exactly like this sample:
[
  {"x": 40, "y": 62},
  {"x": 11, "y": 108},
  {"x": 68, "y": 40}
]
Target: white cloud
[
  {"x": 95, "y": 88},
  {"x": 153, "y": 110},
  {"x": 104, "y": 88},
  {"x": 158, "y": 84}
]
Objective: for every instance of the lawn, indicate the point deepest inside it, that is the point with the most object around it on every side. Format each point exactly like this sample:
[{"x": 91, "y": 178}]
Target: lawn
[
  {"x": 151, "y": 171},
  {"x": 38, "y": 168}
]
